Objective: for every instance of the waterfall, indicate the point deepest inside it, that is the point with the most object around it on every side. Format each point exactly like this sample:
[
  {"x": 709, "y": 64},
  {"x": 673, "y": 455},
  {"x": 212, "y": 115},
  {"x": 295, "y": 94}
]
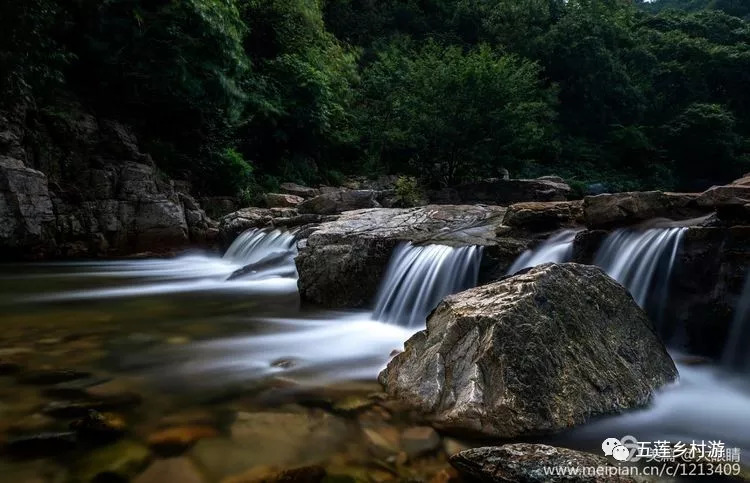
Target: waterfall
[
  {"x": 255, "y": 245},
  {"x": 419, "y": 277},
  {"x": 557, "y": 249},
  {"x": 641, "y": 259},
  {"x": 735, "y": 354},
  {"x": 263, "y": 254}
]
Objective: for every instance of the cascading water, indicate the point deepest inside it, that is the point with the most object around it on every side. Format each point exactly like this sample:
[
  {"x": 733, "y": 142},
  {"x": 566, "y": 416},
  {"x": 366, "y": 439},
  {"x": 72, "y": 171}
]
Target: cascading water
[
  {"x": 736, "y": 355},
  {"x": 255, "y": 246},
  {"x": 418, "y": 277},
  {"x": 641, "y": 259},
  {"x": 556, "y": 249}
]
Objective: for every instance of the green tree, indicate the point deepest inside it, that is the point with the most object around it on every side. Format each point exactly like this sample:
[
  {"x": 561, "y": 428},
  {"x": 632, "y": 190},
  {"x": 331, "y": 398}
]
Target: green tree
[{"x": 452, "y": 115}]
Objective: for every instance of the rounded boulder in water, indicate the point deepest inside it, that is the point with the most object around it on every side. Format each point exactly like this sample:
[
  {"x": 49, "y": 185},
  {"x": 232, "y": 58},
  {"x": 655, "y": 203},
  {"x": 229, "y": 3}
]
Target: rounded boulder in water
[{"x": 535, "y": 353}]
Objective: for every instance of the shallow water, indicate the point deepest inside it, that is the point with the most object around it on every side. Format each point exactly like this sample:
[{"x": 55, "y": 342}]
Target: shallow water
[{"x": 195, "y": 347}]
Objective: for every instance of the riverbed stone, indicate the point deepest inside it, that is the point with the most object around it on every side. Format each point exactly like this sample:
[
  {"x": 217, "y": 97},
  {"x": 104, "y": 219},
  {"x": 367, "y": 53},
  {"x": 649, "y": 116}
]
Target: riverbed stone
[
  {"x": 343, "y": 261},
  {"x": 50, "y": 443},
  {"x": 177, "y": 470},
  {"x": 121, "y": 461},
  {"x": 271, "y": 438},
  {"x": 538, "y": 352},
  {"x": 175, "y": 440},
  {"x": 420, "y": 440},
  {"x": 524, "y": 462}
]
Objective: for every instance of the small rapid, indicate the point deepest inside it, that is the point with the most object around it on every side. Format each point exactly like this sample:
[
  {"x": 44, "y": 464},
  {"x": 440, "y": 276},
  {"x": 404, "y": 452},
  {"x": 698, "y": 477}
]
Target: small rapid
[
  {"x": 558, "y": 248},
  {"x": 419, "y": 277},
  {"x": 642, "y": 261}
]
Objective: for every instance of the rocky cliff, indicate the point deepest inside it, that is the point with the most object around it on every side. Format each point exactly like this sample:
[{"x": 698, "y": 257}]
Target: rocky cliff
[{"x": 76, "y": 185}]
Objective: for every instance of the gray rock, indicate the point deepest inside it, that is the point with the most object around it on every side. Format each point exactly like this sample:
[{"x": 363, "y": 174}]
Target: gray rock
[
  {"x": 523, "y": 462},
  {"x": 544, "y": 216},
  {"x": 299, "y": 190},
  {"x": 618, "y": 209},
  {"x": 280, "y": 200},
  {"x": 26, "y": 213},
  {"x": 535, "y": 353},
  {"x": 343, "y": 261},
  {"x": 339, "y": 201}
]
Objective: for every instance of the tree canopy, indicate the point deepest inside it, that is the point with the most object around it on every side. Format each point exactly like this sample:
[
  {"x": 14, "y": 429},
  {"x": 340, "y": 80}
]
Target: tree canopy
[{"x": 238, "y": 95}]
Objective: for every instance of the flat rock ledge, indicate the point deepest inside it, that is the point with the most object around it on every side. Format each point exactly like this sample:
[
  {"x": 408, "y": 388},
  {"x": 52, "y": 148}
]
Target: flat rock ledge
[
  {"x": 538, "y": 352},
  {"x": 343, "y": 261},
  {"x": 531, "y": 463}
]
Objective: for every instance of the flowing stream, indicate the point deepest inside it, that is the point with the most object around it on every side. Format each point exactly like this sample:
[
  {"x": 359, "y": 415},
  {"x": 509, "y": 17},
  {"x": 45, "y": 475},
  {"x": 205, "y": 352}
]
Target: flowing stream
[{"x": 202, "y": 333}]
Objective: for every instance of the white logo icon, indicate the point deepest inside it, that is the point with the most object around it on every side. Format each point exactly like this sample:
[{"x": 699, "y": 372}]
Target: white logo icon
[
  {"x": 620, "y": 453},
  {"x": 624, "y": 449},
  {"x": 609, "y": 444}
]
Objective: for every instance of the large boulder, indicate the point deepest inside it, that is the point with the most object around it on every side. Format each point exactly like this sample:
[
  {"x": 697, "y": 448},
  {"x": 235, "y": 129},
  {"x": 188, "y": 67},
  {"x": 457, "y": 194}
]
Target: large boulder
[
  {"x": 343, "y": 261},
  {"x": 538, "y": 352},
  {"x": 503, "y": 191},
  {"x": 619, "y": 209},
  {"x": 533, "y": 463},
  {"x": 338, "y": 201}
]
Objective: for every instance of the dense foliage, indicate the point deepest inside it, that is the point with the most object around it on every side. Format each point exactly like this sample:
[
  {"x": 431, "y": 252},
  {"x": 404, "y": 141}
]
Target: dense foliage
[{"x": 239, "y": 94}]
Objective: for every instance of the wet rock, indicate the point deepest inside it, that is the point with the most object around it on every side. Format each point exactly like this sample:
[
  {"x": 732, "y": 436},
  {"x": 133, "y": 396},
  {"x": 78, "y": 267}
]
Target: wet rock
[
  {"x": 299, "y": 190},
  {"x": 733, "y": 194},
  {"x": 382, "y": 441},
  {"x": 538, "y": 352},
  {"x": 538, "y": 216},
  {"x": 586, "y": 244},
  {"x": 8, "y": 368},
  {"x": 32, "y": 423},
  {"x": 619, "y": 209},
  {"x": 177, "y": 470},
  {"x": 40, "y": 444},
  {"x": 121, "y": 461},
  {"x": 339, "y": 201},
  {"x": 280, "y": 200},
  {"x": 175, "y": 440},
  {"x": 80, "y": 408},
  {"x": 266, "y": 474},
  {"x": 420, "y": 440},
  {"x": 52, "y": 376},
  {"x": 503, "y": 192},
  {"x": 99, "y": 427},
  {"x": 343, "y": 261},
  {"x": 522, "y": 462},
  {"x": 271, "y": 438}
]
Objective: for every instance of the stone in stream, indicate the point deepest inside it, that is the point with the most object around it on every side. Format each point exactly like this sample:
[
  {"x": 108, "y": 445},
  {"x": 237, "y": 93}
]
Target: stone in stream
[
  {"x": 523, "y": 462},
  {"x": 121, "y": 461},
  {"x": 99, "y": 427},
  {"x": 177, "y": 470},
  {"x": 175, "y": 440},
  {"x": 40, "y": 444},
  {"x": 80, "y": 408},
  {"x": 51, "y": 376},
  {"x": 538, "y": 352}
]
